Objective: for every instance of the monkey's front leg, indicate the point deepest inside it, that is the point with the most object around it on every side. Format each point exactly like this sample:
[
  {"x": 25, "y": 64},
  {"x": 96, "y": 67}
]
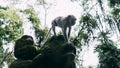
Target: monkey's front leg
[
  {"x": 69, "y": 32},
  {"x": 65, "y": 34}
]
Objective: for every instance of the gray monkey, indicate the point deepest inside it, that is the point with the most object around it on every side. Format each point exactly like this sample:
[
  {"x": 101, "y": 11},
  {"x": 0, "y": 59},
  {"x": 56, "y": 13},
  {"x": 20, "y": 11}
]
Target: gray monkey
[{"x": 64, "y": 23}]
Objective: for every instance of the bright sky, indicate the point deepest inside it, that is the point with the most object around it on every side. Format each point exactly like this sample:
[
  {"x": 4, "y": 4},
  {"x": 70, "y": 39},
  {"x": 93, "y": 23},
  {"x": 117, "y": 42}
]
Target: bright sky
[{"x": 62, "y": 8}]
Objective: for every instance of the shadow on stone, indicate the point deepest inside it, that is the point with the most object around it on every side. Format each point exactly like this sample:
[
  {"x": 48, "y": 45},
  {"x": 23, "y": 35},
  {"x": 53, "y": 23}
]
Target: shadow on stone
[{"x": 55, "y": 54}]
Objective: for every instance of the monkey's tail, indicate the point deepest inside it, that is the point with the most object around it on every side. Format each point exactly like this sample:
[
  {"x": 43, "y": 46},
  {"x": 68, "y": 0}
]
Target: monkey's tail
[
  {"x": 48, "y": 33},
  {"x": 46, "y": 37}
]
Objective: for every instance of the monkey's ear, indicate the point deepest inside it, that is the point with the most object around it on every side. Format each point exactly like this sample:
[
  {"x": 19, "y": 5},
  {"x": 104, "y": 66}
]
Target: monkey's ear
[{"x": 69, "y": 16}]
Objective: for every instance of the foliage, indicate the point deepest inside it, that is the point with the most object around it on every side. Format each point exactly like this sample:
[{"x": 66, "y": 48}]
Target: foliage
[
  {"x": 32, "y": 16},
  {"x": 39, "y": 32},
  {"x": 10, "y": 15},
  {"x": 11, "y": 25},
  {"x": 109, "y": 55},
  {"x": 115, "y": 7},
  {"x": 4, "y": 8},
  {"x": 6, "y": 57},
  {"x": 97, "y": 20},
  {"x": 42, "y": 2},
  {"x": 87, "y": 26},
  {"x": 1, "y": 51},
  {"x": 116, "y": 11},
  {"x": 88, "y": 23},
  {"x": 113, "y": 3},
  {"x": 10, "y": 30}
]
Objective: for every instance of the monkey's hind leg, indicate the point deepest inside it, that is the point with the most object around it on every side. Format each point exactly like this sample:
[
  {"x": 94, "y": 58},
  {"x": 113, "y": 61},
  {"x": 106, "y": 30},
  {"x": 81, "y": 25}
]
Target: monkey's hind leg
[{"x": 53, "y": 28}]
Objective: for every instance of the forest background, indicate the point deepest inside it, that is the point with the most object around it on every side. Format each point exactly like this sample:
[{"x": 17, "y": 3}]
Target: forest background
[{"x": 97, "y": 29}]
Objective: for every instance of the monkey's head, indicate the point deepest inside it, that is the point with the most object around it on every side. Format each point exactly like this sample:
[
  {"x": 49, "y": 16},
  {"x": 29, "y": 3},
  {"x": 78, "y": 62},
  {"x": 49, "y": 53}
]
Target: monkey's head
[{"x": 71, "y": 20}]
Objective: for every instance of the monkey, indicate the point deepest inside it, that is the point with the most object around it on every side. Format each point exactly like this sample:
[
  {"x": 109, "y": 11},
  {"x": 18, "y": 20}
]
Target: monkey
[{"x": 64, "y": 23}]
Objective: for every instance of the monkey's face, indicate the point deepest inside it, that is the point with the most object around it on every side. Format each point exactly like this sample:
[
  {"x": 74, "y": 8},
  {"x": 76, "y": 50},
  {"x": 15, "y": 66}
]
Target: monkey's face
[{"x": 71, "y": 20}]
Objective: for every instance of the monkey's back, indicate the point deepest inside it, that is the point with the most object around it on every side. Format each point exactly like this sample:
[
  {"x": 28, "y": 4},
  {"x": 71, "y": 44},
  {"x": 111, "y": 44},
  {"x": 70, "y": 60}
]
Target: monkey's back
[{"x": 59, "y": 21}]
